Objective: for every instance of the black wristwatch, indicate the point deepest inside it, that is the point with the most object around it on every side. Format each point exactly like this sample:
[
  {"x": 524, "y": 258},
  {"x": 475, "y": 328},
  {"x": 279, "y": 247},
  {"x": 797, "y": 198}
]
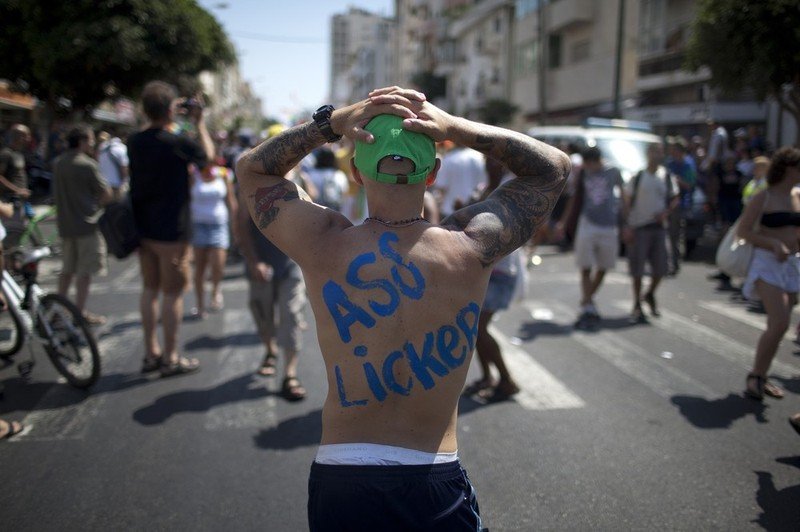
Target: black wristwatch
[{"x": 322, "y": 117}]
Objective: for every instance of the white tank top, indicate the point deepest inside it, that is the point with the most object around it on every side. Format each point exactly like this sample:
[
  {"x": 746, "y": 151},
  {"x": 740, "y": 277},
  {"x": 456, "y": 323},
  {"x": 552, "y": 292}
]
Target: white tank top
[{"x": 208, "y": 201}]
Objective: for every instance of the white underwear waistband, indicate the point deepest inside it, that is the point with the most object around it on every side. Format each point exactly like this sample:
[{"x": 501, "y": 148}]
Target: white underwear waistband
[{"x": 375, "y": 454}]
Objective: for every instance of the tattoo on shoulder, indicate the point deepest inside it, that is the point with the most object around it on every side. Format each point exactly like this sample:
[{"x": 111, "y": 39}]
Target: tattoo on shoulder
[
  {"x": 264, "y": 209},
  {"x": 508, "y": 217}
]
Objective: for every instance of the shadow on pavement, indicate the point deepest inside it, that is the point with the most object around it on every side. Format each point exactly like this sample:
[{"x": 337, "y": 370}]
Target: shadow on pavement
[
  {"x": 292, "y": 433},
  {"x": 780, "y": 509},
  {"x": 718, "y": 413},
  {"x": 467, "y": 404},
  {"x": 20, "y": 395},
  {"x": 234, "y": 390},
  {"x": 530, "y": 330},
  {"x": 217, "y": 342}
]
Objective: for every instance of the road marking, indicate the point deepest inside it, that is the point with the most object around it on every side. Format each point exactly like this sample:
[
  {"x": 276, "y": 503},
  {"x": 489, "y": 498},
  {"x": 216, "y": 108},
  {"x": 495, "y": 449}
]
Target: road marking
[
  {"x": 539, "y": 389},
  {"x": 741, "y": 315},
  {"x": 253, "y": 407},
  {"x": 711, "y": 340},
  {"x": 642, "y": 364},
  {"x": 61, "y": 422}
]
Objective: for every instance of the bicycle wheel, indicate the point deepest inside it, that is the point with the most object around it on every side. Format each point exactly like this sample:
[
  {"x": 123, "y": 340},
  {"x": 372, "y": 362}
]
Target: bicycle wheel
[
  {"x": 70, "y": 345},
  {"x": 12, "y": 335}
]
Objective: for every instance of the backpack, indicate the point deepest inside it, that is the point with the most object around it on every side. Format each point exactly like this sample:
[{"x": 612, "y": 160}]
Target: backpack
[{"x": 118, "y": 228}]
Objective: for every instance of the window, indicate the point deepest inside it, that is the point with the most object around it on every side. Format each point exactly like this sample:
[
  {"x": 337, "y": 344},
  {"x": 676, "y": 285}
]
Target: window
[
  {"x": 651, "y": 26},
  {"x": 526, "y": 7},
  {"x": 498, "y": 24},
  {"x": 525, "y": 59},
  {"x": 580, "y": 51},
  {"x": 554, "y": 51}
]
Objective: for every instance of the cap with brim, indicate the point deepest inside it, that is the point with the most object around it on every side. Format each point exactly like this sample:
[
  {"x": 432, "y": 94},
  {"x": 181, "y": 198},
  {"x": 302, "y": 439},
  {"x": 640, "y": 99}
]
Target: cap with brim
[{"x": 391, "y": 140}]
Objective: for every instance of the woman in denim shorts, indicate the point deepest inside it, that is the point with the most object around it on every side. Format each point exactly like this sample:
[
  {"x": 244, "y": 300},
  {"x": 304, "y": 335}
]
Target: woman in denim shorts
[{"x": 213, "y": 207}]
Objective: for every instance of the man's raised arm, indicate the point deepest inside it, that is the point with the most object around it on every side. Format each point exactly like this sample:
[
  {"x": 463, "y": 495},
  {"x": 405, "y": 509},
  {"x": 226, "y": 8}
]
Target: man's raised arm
[{"x": 509, "y": 216}]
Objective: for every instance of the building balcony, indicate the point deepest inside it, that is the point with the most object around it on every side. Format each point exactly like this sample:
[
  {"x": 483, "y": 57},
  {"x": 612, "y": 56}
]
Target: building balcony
[{"x": 566, "y": 13}]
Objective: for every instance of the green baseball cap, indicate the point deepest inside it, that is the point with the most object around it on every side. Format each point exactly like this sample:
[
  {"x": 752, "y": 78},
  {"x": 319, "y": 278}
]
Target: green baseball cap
[{"x": 391, "y": 140}]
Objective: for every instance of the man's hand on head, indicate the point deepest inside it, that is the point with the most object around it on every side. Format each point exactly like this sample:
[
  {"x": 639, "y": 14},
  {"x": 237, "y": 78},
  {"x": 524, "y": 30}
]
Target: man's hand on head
[
  {"x": 350, "y": 121},
  {"x": 429, "y": 119}
]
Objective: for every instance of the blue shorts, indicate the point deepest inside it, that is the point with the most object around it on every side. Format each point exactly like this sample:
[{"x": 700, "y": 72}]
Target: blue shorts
[
  {"x": 437, "y": 497},
  {"x": 499, "y": 293},
  {"x": 206, "y": 235}
]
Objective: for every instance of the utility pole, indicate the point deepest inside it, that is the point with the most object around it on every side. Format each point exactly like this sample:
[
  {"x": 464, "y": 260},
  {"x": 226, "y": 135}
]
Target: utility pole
[
  {"x": 543, "y": 57},
  {"x": 618, "y": 66}
]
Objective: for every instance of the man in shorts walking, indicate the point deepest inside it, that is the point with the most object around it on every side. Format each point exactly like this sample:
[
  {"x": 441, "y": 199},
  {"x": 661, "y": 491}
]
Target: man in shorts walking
[
  {"x": 80, "y": 191},
  {"x": 159, "y": 166},
  {"x": 396, "y": 300},
  {"x": 598, "y": 199},
  {"x": 652, "y": 195}
]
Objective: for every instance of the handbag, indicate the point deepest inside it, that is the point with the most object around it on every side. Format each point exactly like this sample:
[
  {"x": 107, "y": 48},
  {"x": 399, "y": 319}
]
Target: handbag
[
  {"x": 734, "y": 253},
  {"x": 119, "y": 229}
]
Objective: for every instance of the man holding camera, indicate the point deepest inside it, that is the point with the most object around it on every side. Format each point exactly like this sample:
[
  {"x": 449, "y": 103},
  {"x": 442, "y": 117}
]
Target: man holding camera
[
  {"x": 396, "y": 300},
  {"x": 160, "y": 157}
]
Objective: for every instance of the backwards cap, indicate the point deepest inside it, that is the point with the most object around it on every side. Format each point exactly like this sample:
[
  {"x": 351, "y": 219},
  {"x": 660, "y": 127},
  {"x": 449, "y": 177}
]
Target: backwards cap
[{"x": 392, "y": 140}]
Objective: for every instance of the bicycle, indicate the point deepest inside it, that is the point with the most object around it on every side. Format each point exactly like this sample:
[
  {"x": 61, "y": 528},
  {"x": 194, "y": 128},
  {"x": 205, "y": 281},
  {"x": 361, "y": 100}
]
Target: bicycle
[
  {"x": 24, "y": 233},
  {"x": 49, "y": 320}
]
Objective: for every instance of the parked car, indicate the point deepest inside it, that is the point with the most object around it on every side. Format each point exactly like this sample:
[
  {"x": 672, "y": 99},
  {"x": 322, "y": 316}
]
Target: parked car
[{"x": 623, "y": 143}]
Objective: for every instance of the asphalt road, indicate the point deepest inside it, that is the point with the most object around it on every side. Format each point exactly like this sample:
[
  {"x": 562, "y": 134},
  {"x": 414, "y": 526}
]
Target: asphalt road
[{"x": 627, "y": 428}]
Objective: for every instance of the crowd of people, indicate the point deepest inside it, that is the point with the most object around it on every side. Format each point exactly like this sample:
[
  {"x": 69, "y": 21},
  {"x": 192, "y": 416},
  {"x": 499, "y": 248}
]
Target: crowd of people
[{"x": 194, "y": 197}]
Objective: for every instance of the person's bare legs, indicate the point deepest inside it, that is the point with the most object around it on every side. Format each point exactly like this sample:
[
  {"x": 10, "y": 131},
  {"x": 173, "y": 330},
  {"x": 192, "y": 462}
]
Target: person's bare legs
[
  {"x": 217, "y": 258},
  {"x": 488, "y": 346},
  {"x": 171, "y": 315},
  {"x": 82, "y": 291},
  {"x": 148, "y": 306},
  {"x": 200, "y": 262},
  {"x": 64, "y": 281},
  {"x": 778, "y": 305},
  {"x": 590, "y": 283},
  {"x": 637, "y": 293}
]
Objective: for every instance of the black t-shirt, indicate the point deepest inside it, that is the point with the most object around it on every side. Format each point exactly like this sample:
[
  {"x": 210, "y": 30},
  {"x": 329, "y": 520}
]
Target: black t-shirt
[
  {"x": 267, "y": 252},
  {"x": 159, "y": 181}
]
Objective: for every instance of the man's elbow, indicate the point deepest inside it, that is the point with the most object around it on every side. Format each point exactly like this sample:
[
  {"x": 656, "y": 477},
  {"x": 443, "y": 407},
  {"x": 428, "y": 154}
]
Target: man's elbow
[{"x": 562, "y": 164}]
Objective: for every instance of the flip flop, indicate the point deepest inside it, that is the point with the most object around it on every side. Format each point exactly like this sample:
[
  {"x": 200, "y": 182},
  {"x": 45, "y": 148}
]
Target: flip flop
[
  {"x": 13, "y": 427},
  {"x": 476, "y": 386},
  {"x": 151, "y": 364},
  {"x": 757, "y": 395},
  {"x": 496, "y": 395},
  {"x": 772, "y": 390}
]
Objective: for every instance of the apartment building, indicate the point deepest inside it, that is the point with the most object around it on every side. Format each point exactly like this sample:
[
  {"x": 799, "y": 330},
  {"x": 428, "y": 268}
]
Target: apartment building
[
  {"x": 362, "y": 54},
  {"x": 231, "y": 99},
  {"x": 669, "y": 97},
  {"x": 476, "y": 57},
  {"x": 564, "y": 59}
]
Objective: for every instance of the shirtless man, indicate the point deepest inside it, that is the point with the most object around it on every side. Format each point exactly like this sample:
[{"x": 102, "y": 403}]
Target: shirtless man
[{"x": 396, "y": 300}]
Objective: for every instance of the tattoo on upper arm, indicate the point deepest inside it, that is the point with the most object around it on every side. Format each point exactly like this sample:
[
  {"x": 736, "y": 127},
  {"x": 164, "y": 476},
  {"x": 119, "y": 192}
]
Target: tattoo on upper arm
[
  {"x": 508, "y": 217},
  {"x": 283, "y": 152},
  {"x": 265, "y": 211}
]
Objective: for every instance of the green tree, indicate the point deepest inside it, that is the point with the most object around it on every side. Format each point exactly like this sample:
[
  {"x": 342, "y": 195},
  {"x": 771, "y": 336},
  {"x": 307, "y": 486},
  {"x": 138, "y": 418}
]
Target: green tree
[
  {"x": 88, "y": 50},
  {"x": 496, "y": 112},
  {"x": 750, "y": 44}
]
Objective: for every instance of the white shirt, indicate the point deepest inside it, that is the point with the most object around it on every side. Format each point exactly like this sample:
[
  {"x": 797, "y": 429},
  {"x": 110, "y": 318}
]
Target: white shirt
[
  {"x": 112, "y": 156},
  {"x": 208, "y": 201},
  {"x": 463, "y": 170},
  {"x": 651, "y": 196}
]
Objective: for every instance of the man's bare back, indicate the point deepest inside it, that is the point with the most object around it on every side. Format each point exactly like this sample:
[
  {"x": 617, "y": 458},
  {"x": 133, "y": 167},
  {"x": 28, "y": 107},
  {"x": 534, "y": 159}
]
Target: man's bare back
[
  {"x": 397, "y": 301},
  {"x": 397, "y": 316}
]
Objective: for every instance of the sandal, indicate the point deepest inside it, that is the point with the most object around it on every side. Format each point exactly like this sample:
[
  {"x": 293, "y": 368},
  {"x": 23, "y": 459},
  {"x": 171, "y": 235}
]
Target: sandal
[
  {"x": 292, "y": 390},
  {"x": 637, "y": 316},
  {"x": 182, "y": 367},
  {"x": 12, "y": 428},
  {"x": 269, "y": 366},
  {"x": 499, "y": 393},
  {"x": 772, "y": 390},
  {"x": 758, "y": 394},
  {"x": 217, "y": 303},
  {"x": 477, "y": 386},
  {"x": 151, "y": 363}
]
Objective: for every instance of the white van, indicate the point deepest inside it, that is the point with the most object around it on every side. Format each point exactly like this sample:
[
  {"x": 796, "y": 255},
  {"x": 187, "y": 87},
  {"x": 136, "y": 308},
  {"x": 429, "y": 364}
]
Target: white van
[{"x": 622, "y": 143}]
